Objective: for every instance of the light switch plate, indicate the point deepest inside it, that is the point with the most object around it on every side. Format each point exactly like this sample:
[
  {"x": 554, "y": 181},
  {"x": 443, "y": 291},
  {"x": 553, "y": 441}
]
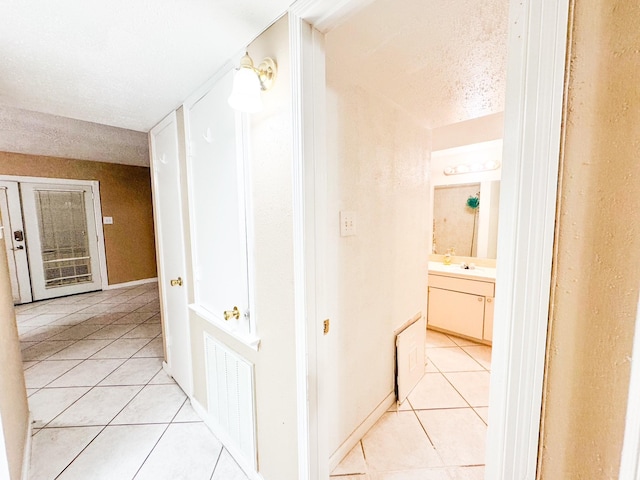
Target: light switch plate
[
  {"x": 347, "y": 223},
  {"x": 107, "y": 220}
]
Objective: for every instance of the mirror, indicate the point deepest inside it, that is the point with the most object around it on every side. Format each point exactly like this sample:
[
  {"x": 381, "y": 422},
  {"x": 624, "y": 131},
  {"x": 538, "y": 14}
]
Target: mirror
[{"x": 465, "y": 218}]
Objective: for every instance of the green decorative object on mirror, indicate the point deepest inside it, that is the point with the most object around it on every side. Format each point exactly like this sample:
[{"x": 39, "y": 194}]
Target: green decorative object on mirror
[{"x": 473, "y": 202}]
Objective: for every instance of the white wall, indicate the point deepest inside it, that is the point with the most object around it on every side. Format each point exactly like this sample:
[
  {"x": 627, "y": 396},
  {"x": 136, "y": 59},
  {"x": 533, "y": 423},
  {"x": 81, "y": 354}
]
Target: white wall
[{"x": 378, "y": 168}]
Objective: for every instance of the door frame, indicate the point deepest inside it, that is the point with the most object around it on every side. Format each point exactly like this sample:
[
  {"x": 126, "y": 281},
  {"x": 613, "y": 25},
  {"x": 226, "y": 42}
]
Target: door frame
[
  {"x": 630, "y": 461},
  {"x": 97, "y": 211},
  {"x": 534, "y": 108}
]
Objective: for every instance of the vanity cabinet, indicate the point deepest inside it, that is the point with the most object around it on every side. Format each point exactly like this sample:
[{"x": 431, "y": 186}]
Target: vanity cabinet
[{"x": 461, "y": 305}]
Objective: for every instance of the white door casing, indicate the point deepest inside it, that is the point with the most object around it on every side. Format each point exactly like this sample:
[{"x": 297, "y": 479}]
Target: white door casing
[
  {"x": 11, "y": 213},
  {"x": 168, "y": 202},
  {"x": 536, "y": 67},
  {"x": 62, "y": 239},
  {"x": 218, "y": 210}
]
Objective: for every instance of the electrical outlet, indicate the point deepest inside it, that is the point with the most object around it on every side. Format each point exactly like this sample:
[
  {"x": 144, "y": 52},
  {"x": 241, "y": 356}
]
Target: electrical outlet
[
  {"x": 107, "y": 220},
  {"x": 347, "y": 223}
]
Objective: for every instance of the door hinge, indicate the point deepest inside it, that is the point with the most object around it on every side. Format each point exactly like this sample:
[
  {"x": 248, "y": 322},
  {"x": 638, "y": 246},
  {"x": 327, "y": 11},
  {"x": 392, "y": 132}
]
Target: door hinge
[{"x": 326, "y": 326}]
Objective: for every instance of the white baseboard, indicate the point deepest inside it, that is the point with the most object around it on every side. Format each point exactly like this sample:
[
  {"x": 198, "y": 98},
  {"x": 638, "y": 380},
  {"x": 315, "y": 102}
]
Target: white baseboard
[
  {"x": 131, "y": 284},
  {"x": 360, "y": 432},
  {"x": 237, "y": 455},
  {"x": 26, "y": 458}
]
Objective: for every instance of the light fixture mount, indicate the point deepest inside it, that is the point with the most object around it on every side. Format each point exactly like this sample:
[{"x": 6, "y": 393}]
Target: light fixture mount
[{"x": 249, "y": 81}]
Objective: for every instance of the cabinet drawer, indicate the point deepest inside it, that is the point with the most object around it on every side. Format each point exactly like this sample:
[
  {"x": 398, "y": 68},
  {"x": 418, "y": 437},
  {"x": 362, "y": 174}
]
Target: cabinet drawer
[{"x": 474, "y": 287}]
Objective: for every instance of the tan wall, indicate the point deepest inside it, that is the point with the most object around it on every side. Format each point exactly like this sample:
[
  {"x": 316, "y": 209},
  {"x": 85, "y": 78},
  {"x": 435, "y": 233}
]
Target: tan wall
[
  {"x": 125, "y": 194},
  {"x": 595, "y": 292},
  {"x": 272, "y": 197},
  {"x": 14, "y": 410}
]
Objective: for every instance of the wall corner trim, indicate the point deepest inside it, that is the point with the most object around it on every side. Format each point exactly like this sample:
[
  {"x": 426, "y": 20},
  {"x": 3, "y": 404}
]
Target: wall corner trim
[{"x": 26, "y": 458}]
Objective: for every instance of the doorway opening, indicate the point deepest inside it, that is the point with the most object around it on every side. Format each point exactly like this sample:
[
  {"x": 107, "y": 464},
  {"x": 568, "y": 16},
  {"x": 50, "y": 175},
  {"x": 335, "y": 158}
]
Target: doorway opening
[{"x": 53, "y": 237}]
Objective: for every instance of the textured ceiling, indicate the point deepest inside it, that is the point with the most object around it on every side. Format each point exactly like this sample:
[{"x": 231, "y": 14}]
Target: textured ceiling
[
  {"x": 442, "y": 62},
  {"x": 124, "y": 63}
]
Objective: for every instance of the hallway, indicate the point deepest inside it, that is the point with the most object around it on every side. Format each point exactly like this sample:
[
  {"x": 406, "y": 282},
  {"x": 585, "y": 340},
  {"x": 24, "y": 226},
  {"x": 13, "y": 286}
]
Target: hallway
[{"x": 102, "y": 406}]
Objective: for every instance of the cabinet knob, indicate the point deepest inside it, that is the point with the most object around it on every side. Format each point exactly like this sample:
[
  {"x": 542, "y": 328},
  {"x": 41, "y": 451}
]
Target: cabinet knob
[
  {"x": 489, "y": 300},
  {"x": 480, "y": 299}
]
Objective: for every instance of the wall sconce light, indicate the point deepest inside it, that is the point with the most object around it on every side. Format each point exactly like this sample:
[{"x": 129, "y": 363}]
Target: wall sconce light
[
  {"x": 472, "y": 168},
  {"x": 249, "y": 81}
]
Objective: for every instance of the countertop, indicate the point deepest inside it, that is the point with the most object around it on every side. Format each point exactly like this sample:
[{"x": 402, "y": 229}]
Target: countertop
[{"x": 486, "y": 274}]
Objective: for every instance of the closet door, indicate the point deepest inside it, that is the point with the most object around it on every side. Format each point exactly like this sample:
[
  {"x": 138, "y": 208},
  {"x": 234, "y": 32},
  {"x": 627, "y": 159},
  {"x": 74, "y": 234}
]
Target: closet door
[{"x": 62, "y": 241}]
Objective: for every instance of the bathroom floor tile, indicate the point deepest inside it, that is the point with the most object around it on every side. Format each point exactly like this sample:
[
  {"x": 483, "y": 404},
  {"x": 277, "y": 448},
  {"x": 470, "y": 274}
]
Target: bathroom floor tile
[
  {"x": 473, "y": 386},
  {"x": 154, "y": 348},
  {"x": 144, "y": 331},
  {"x": 462, "y": 449},
  {"x": 104, "y": 318},
  {"x": 44, "y": 350},
  {"x": 434, "y": 391},
  {"x": 127, "y": 448},
  {"x": 353, "y": 463},
  {"x": 452, "y": 359},
  {"x": 416, "y": 474},
  {"x": 468, "y": 473},
  {"x": 80, "y": 350},
  {"x": 162, "y": 378},
  {"x": 397, "y": 442},
  {"x": 187, "y": 450},
  {"x": 481, "y": 354},
  {"x": 483, "y": 413},
  {"x": 187, "y": 414},
  {"x": 437, "y": 339},
  {"x": 77, "y": 332},
  {"x": 134, "y": 317}
]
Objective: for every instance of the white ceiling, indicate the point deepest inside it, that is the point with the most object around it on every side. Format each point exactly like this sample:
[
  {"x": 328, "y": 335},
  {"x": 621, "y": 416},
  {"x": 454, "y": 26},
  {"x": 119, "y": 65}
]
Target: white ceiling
[
  {"x": 442, "y": 62},
  {"x": 123, "y": 63}
]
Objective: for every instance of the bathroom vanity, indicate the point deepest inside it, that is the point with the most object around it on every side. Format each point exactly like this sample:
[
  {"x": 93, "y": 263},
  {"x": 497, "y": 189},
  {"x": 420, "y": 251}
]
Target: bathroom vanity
[{"x": 461, "y": 301}]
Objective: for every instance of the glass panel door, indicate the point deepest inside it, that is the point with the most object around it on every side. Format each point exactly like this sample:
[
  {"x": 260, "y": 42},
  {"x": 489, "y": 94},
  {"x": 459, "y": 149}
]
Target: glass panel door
[{"x": 62, "y": 243}]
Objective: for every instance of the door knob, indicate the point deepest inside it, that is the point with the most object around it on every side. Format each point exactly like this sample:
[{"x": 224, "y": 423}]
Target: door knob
[
  {"x": 235, "y": 313},
  {"x": 19, "y": 247},
  {"x": 177, "y": 282}
]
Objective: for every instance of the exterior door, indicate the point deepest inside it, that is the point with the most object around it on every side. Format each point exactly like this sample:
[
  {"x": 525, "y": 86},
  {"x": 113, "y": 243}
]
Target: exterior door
[
  {"x": 61, "y": 238},
  {"x": 14, "y": 240},
  {"x": 167, "y": 200}
]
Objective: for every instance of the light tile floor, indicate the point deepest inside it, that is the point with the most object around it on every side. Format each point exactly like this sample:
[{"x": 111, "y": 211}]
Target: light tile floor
[
  {"x": 102, "y": 406},
  {"x": 439, "y": 432}
]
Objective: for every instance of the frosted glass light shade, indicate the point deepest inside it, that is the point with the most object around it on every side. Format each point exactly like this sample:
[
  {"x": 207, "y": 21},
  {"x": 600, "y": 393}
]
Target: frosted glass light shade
[{"x": 245, "y": 95}]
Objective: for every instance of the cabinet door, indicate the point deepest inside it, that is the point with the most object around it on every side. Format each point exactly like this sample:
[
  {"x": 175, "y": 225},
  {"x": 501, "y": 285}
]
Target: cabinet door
[
  {"x": 458, "y": 312},
  {"x": 488, "y": 319}
]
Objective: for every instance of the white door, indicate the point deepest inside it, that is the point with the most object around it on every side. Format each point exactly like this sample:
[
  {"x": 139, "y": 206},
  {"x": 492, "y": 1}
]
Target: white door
[
  {"x": 11, "y": 220},
  {"x": 217, "y": 200},
  {"x": 62, "y": 239},
  {"x": 167, "y": 202}
]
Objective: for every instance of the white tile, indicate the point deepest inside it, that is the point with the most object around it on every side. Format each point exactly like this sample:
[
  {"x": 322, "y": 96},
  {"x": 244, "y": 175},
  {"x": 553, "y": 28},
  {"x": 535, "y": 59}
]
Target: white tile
[
  {"x": 110, "y": 332},
  {"x": 47, "y": 371},
  {"x": 135, "y": 371},
  {"x": 162, "y": 378},
  {"x": 458, "y": 435},
  {"x": 54, "y": 448},
  {"x": 186, "y": 451},
  {"x": 77, "y": 332},
  {"x": 417, "y": 474},
  {"x": 437, "y": 339},
  {"x": 81, "y": 350},
  {"x": 351, "y": 477},
  {"x": 187, "y": 414},
  {"x": 104, "y": 318},
  {"x": 31, "y": 391},
  {"x": 122, "y": 348},
  {"x": 42, "y": 319},
  {"x": 227, "y": 468},
  {"x": 30, "y": 364},
  {"x": 434, "y": 391},
  {"x": 156, "y": 319},
  {"x": 98, "y": 407},
  {"x": 473, "y": 386},
  {"x": 481, "y": 353},
  {"x": 398, "y": 442},
  {"x": 48, "y": 403},
  {"x": 97, "y": 308},
  {"x": 117, "y": 453},
  {"x": 154, "y": 404},
  {"x": 154, "y": 348},
  {"x": 452, "y": 359},
  {"x": 134, "y": 318},
  {"x": 467, "y": 473},
  {"x": 38, "y": 334},
  {"x": 73, "y": 319},
  {"x": 483, "y": 413},
  {"x": 463, "y": 342},
  {"x": 352, "y": 463},
  {"x": 45, "y": 349},
  {"x": 144, "y": 331},
  {"x": 86, "y": 374},
  {"x": 25, "y": 345}
]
